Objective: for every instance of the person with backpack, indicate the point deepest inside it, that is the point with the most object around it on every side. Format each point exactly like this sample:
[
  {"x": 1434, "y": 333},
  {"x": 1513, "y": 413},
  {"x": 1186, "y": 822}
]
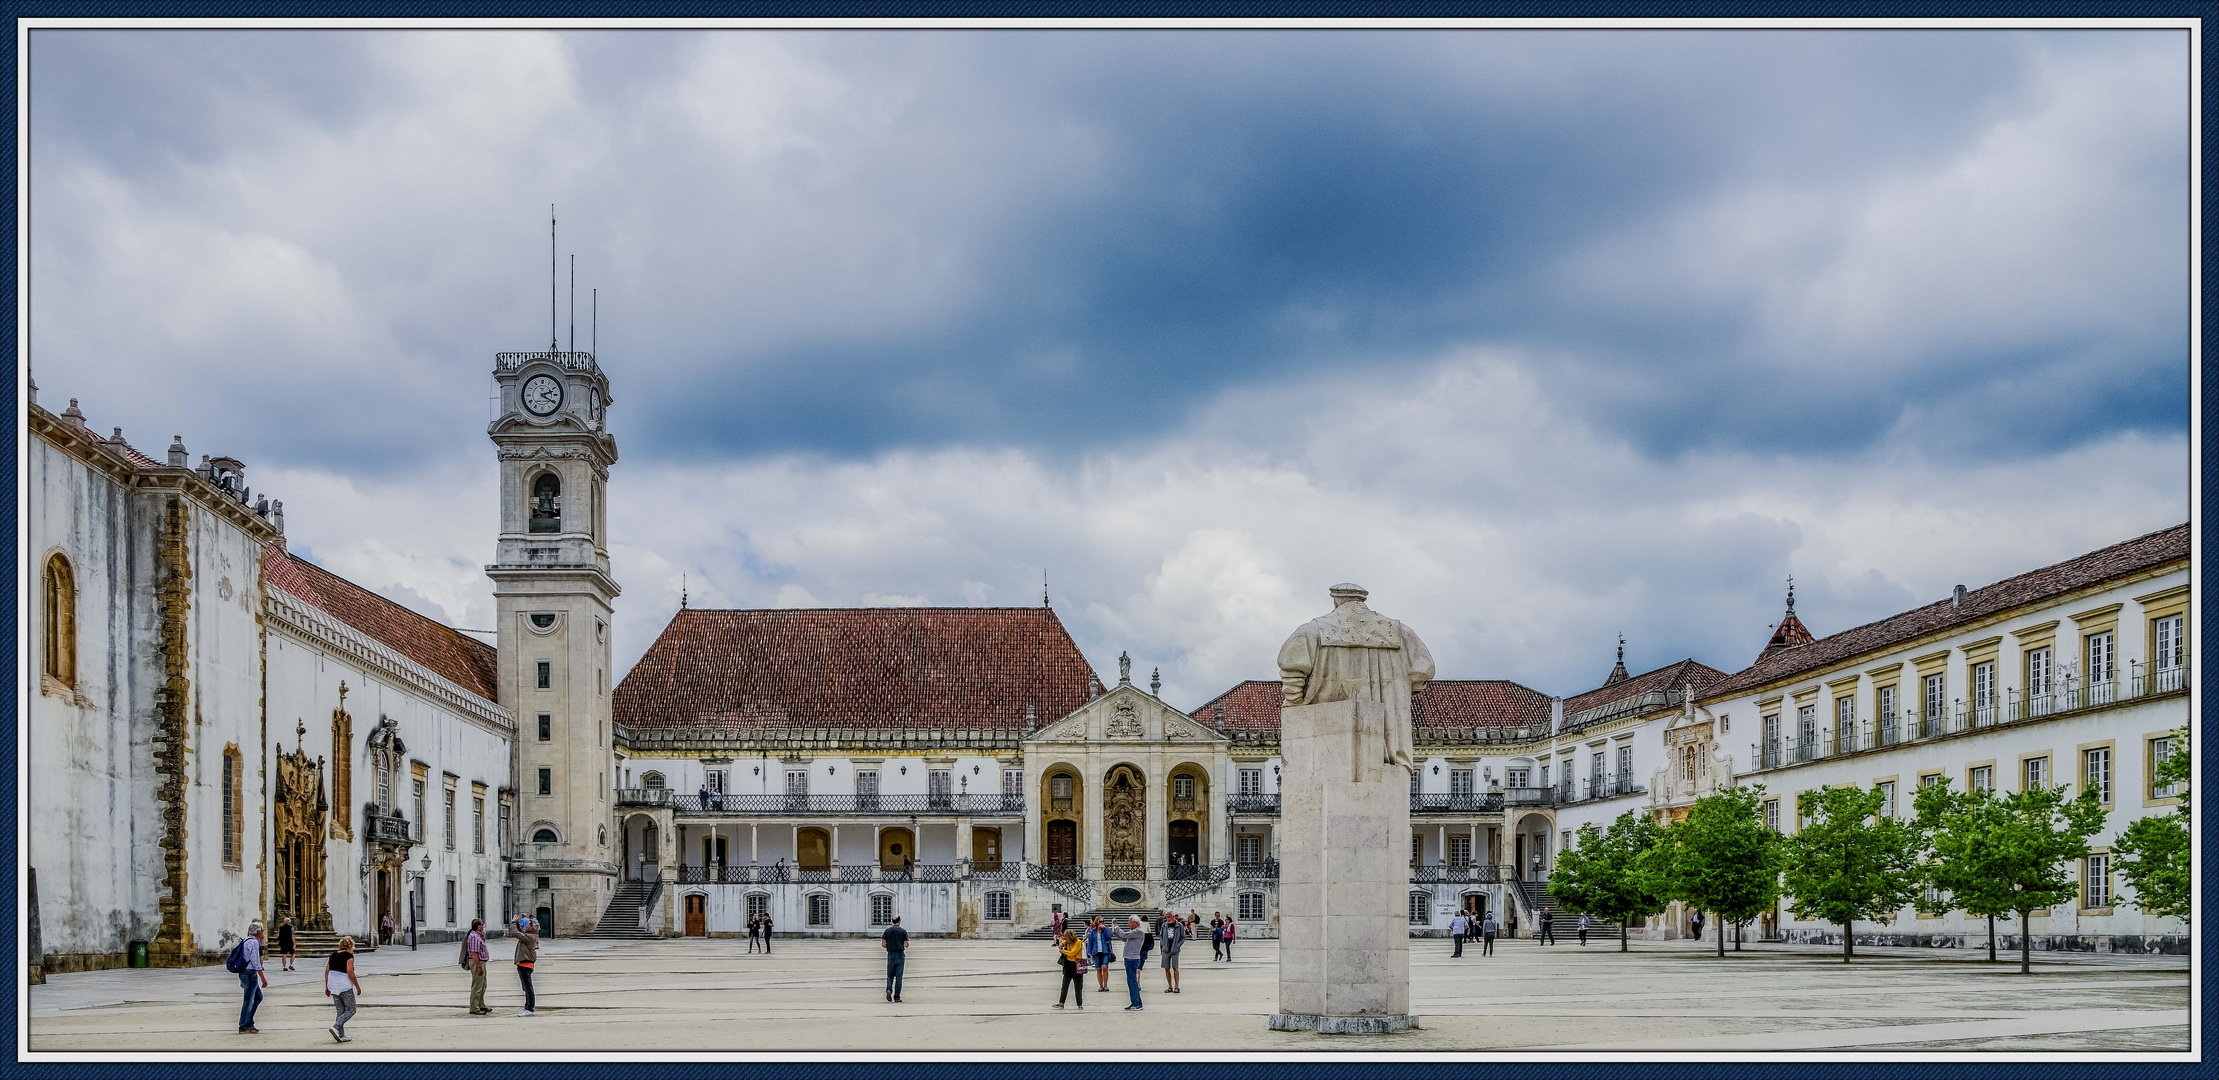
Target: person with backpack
[
  {"x": 245, "y": 961},
  {"x": 527, "y": 957},
  {"x": 475, "y": 956},
  {"x": 341, "y": 987},
  {"x": 1071, "y": 956}
]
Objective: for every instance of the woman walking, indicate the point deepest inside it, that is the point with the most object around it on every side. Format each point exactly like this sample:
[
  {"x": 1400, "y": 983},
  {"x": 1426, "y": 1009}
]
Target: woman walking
[
  {"x": 285, "y": 943},
  {"x": 341, "y": 986},
  {"x": 1069, "y": 950}
]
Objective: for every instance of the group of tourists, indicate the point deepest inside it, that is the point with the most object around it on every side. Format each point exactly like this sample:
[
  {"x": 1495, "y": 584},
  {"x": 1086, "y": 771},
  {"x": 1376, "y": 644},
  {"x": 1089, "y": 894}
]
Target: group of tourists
[
  {"x": 1103, "y": 943},
  {"x": 758, "y": 931},
  {"x": 1481, "y": 927},
  {"x": 344, "y": 987}
]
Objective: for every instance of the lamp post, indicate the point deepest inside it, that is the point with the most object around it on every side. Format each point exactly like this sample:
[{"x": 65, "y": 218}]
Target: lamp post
[{"x": 408, "y": 878}]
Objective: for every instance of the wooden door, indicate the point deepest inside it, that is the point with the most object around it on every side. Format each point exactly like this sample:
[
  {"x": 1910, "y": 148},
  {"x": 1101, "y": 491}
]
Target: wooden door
[
  {"x": 697, "y": 915},
  {"x": 1063, "y": 843}
]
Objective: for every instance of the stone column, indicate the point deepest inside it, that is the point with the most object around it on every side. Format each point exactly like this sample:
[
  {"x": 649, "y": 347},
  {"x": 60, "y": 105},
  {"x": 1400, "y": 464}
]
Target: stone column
[
  {"x": 1156, "y": 840},
  {"x": 1220, "y": 834},
  {"x": 668, "y": 858},
  {"x": 962, "y": 840},
  {"x": 1344, "y": 941},
  {"x": 1090, "y": 819},
  {"x": 754, "y": 843}
]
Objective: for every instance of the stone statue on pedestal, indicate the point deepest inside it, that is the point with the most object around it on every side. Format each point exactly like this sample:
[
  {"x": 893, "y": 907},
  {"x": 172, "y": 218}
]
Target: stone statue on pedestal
[{"x": 1344, "y": 736}]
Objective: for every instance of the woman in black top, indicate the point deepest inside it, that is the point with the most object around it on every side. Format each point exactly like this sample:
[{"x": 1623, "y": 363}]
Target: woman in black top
[
  {"x": 341, "y": 986},
  {"x": 285, "y": 942}
]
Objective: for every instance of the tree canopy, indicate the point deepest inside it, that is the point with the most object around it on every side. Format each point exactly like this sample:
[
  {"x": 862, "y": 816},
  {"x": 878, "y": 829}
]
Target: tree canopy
[
  {"x": 1722, "y": 859},
  {"x": 2153, "y": 852},
  {"x": 1608, "y": 873},
  {"x": 1843, "y": 864}
]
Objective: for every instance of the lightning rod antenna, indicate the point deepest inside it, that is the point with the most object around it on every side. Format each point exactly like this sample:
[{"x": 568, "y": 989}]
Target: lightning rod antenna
[
  {"x": 595, "y": 342},
  {"x": 573, "y": 303},
  {"x": 554, "y": 339}
]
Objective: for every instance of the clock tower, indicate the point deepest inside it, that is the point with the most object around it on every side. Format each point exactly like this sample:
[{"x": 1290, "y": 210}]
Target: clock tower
[{"x": 554, "y": 595}]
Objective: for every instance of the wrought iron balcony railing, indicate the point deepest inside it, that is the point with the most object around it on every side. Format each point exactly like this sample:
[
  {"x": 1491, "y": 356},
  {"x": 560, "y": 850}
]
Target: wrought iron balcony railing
[
  {"x": 1254, "y": 804},
  {"x": 1474, "y": 802},
  {"x": 859, "y": 805}
]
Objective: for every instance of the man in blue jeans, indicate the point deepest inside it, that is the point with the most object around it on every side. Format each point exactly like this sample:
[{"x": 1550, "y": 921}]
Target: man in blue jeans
[
  {"x": 252, "y": 980},
  {"x": 896, "y": 943},
  {"x": 1136, "y": 944}
]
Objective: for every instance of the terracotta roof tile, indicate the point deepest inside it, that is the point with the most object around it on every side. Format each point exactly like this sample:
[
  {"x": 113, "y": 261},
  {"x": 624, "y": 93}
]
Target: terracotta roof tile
[
  {"x": 2140, "y": 553},
  {"x": 939, "y": 668},
  {"x": 1668, "y": 677},
  {"x": 455, "y": 656},
  {"x": 1444, "y": 704}
]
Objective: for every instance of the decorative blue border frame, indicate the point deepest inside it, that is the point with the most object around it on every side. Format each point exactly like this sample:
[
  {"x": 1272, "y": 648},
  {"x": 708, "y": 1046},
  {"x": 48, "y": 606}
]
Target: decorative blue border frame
[{"x": 1073, "y": 1068}]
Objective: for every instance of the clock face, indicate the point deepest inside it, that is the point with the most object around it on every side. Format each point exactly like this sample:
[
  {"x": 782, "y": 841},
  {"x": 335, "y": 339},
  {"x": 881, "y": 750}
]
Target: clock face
[{"x": 542, "y": 394}]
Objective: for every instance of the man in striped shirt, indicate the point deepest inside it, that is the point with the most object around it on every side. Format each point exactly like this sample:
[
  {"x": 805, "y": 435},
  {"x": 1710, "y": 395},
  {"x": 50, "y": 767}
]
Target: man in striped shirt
[{"x": 251, "y": 980}]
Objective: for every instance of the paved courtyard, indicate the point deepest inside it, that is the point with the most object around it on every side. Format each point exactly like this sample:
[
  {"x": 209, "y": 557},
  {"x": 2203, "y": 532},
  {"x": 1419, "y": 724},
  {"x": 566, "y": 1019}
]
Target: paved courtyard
[{"x": 712, "y": 996}]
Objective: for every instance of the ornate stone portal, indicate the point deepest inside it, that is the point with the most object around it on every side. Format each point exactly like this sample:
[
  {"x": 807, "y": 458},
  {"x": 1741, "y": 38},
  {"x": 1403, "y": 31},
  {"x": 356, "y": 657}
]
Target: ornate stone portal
[
  {"x": 1125, "y": 817},
  {"x": 1344, "y": 938},
  {"x": 300, "y": 823}
]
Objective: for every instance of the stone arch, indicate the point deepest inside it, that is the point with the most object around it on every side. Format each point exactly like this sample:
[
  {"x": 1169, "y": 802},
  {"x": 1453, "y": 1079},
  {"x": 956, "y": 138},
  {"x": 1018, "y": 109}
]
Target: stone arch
[
  {"x": 543, "y": 501},
  {"x": 813, "y": 848},
  {"x": 1187, "y": 819},
  {"x": 544, "y": 828},
  {"x": 1063, "y": 830},
  {"x": 895, "y": 844},
  {"x": 58, "y": 620}
]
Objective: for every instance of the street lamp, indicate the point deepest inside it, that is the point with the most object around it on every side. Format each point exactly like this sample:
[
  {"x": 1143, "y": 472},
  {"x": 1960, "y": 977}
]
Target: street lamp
[{"x": 408, "y": 877}]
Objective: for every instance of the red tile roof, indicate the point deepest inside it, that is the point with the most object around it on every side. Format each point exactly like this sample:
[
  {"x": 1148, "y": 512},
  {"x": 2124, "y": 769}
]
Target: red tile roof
[
  {"x": 940, "y": 668},
  {"x": 1669, "y": 677},
  {"x": 455, "y": 656},
  {"x": 2118, "y": 560},
  {"x": 1445, "y": 706}
]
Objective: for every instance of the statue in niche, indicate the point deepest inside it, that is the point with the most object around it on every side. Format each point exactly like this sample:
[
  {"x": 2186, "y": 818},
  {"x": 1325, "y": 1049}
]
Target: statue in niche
[{"x": 1125, "y": 817}]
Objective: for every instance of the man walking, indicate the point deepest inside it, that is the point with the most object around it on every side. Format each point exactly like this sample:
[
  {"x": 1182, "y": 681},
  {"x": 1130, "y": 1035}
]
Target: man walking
[
  {"x": 1217, "y": 935},
  {"x": 527, "y": 957},
  {"x": 1487, "y": 936},
  {"x": 1583, "y": 930},
  {"x": 475, "y": 954},
  {"x": 896, "y": 943},
  {"x": 1548, "y": 927},
  {"x": 1174, "y": 935},
  {"x": 1696, "y": 921},
  {"x": 1136, "y": 953},
  {"x": 1457, "y": 926},
  {"x": 251, "y": 978}
]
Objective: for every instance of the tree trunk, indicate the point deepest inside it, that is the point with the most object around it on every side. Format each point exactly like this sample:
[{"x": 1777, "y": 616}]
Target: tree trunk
[
  {"x": 1625, "y": 930},
  {"x": 1848, "y": 940},
  {"x": 1721, "y": 920},
  {"x": 2026, "y": 946},
  {"x": 1737, "y": 937},
  {"x": 1991, "y": 939}
]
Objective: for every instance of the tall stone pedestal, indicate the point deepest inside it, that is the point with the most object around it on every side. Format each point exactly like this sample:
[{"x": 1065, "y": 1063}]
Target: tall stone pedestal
[{"x": 1344, "y": 820}]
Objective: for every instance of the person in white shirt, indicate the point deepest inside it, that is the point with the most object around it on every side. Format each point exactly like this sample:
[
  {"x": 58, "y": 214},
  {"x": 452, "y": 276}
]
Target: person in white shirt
[{"x": 1457, "y": 926}]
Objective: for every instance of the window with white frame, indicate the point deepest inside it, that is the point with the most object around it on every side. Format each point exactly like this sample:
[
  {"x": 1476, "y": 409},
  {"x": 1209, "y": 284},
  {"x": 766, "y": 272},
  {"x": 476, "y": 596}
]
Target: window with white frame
[
  {"x": 1013, "y": 782},
  {"x": 2098, "y": 772},
  {"x": 2103, "y": 656},
  {"x": 477, "y": 823},
  {"x": 1772, "y": 814},
  {"x": 882, "y": 909},
  {"x": 1460, "y": 849},
  {"x": 1251, "y": 906},
  {"x": 1544, "y": 776},
  {"x": 422, "y": 825},
  {"x": 997, "y": 906},
  {"x": 715, "y": 781},
  {"x": 797, "y": 783},
  {"x": 1597, "y": 773},
  {"x": 2172, "y": 646},
  {"x": 1182, "y": 786},
  {"x": 820, "y": 909},
  {"x": 2160, "y": 749},
  {"x": 450, "y": 825},
  {"x": 1937, "y": 695},
  {"x": 2038, "y": 672},
  {"x": 1887, "y": 703},
  {"x": 1059, "y": 786},
  {"x": 1845, "y": 723},
  {"x": 1421, "y": 909},
  {"x": 1460, "y": 782},
  {"x": 1414, "y": 780},
  {"x": 1625, "y": 764},
  {"x": 2034, "y": 774},
  {"x": 1516, "y": 776},
  {"x": 450, "y": 901},
  {"x": 1251, "y": 848},
  {"x": 866, "y": 787},
  {"x": 1981, "y": 778},
  {"x": 758, "y": 905},
  {"x": 1984, "y": 684},
  {"x": 1806, "y": 725},
  {"x": 1417, "y": 848},
  {"x": 2097, "y": 878},
  {"x": 1887, "y": 798},
  {"x": 1251, "y": 781}
]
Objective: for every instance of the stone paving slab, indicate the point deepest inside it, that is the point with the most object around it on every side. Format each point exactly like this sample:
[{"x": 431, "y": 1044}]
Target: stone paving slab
[{"x": 714, "y": 998}]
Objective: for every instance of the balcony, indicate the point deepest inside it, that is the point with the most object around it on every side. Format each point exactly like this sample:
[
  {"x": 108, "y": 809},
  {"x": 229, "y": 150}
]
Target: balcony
[
  {"x": 1254, "y": 804},
  {"x": 2067, "y": 696},
  {"x": 1454, "y": 874},
  {"x": 1266, "y": 870},
  {"x": 925, "y": 873},
  {"x": 1182, "y": 804},
  {"x": 1607, "y": 788},
  {"x": 386, "y": 827},
  {"x": 823, "y": 805},
  {"x": 1468, "y": 802},
  {"x": 1528, "y": 796}
]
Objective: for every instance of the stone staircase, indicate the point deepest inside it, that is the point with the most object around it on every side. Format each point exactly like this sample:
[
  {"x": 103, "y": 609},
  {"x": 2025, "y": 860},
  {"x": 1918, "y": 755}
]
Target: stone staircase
[
  {"x": 317, "y": 944},
  {"x": 1153, "y": 920},
  {"x": 621, "y": 921}
]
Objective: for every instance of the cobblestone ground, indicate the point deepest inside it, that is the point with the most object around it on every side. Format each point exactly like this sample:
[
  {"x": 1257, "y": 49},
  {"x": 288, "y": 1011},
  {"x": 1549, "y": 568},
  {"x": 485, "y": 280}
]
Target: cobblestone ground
[{"x": 713, "y": 997}]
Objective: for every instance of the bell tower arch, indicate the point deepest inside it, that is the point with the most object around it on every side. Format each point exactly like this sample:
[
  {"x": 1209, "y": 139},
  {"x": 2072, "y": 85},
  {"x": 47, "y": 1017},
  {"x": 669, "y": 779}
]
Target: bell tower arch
[{"x": 555, "y": 601}]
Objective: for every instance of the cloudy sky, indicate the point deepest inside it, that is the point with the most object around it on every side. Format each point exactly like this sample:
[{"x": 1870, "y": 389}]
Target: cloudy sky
[{"x": 1541, "y": 336}]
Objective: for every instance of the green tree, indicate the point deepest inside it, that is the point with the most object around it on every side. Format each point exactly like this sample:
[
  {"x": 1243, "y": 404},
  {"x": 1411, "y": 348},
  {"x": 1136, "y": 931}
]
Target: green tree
[
  {"x": 2038, "y": 840},
  {"x": 1608, "y": 875},
  {"x": 1844, "y": 865},
  {"x": 1721, "y": 858},
  {"x": 1961, "y": 855},
  {"x": 2153, "y": 851}
]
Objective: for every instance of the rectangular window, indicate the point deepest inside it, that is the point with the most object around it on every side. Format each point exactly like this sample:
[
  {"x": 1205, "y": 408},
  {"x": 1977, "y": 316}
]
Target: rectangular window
[
  {"x": 504, "y": 836},
  {"x": 230, "y": 808},
  {"x": 1937, "y": 702},
  {"x": 2099, "y": 773},
  {"x": 1013, "y": 783},
  {"x": 757, "y": 905},
  {"x": 1887, "y": 798},
  {"x": 2097, "y": 876},
  {"x": 2038, "y": 672},
  {"x": 1845, "y": 724},
  {"x": 450, "y": 901},
  {"x": 385, "y": 788},
  {"x": 1597, "y": 772},
  {"x": 1887, "y": 717},
  {"x": 1251, "y": 849},
  {"x": 1421, "y": 909},
  {"x": 423, "y": 821},
  {"x": 1251, "y": 782},
  {"x": 820, "y": 910},
  {"x": 547, "y": 781},
  {"x": 546, "y": 727},
  {"x": 866, "y": 789},
  {"x": 1417, "y": 851},
  {"x": 882, "y": 910},
  {"x": 1414, "y": 780},
  {"x": 2103, "y": 657},
  {"x": 997, "y": 906},
  {"x": 1460, "y": 782},
  {"x": 1984, "y": 684},
  {"x": 2172, "y": 645},
  {"x": 546, "y": 675},
  {"x": 1982, "y": 778},
  {"x": 1806, "y": 729},
  {"x": 1771, "y": 726},
  {"x": 715, "y": 781},
  {"x": 1182, "y": 786},
  {"x": 481, "y": 900},
  {"x": 1059, "y": 786},
  {"x": 940, "y": 787},
  {"x": 1252, "y": 906},
  {"x": 797, "y": 783},
  {"x": 2036, "y": 774},
  {"x": 477, "y": 824},
  {"x": 2160, "y": 749},
  {"x": 450, "y": 823},
  {"x": 1515, "y": 777},
  {"x": 1772, "y": 814},
  {"x": 1460, "y": 849},
  {"x": 1544, "y": 776}
]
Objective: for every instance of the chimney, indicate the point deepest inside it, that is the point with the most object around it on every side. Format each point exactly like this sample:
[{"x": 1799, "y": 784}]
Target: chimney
[
  {"x": 178, "y": 457},
  {"x": 118, "y": 440},
  {"x": 1957, "y": 597},
  {"x": 73, "y": 417}
]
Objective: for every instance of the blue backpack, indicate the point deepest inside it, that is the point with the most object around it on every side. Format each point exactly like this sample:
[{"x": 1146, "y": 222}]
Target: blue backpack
[{"x": 237, "y": 961}]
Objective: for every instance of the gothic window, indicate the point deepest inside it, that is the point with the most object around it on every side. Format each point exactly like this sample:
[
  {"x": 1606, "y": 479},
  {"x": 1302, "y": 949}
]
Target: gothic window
[
  {"x": 546, "y": 505},
  {"x": 60, "y": 626},
  {"x": 234, "y": 800},
  {"x": 342, "y": 772}
]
